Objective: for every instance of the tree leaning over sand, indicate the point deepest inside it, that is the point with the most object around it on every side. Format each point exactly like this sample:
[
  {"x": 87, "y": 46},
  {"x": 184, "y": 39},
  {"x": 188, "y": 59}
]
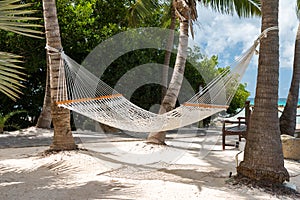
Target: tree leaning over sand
[
  {"x": 288, "y": 118},
  {"x": 243, "y": 8},
  {"x": 63, "y": 138},
  {"x": 186, "y": 13},
  {"x": 263, "y": 157}
]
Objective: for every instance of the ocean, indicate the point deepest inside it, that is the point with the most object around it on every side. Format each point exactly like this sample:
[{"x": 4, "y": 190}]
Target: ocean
[{"x": 281, "y": 101}]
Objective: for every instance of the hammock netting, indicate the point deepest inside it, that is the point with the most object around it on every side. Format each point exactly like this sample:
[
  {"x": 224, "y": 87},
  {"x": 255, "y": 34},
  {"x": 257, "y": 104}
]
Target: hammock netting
[{"x": 83, "y": 92}]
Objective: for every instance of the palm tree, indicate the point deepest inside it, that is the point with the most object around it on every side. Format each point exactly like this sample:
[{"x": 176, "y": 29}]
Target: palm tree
[
  {"x": 165, "y": 70},
  {"x": 263, "y": 157},
  {"x": 142, "y": 9},
  {"x": 63, "y": 138},
  {"x": 243, "y": 8},
  {"x": 186, "y": 13},
  {"x": 13, "y": 18},
  {"x": 139, "y": 11},
  {"x": 44, "y": 120},
  {"x": 288, "y": 118}
]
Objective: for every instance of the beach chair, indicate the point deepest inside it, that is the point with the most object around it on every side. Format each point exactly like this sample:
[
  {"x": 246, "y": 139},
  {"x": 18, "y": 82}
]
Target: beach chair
[{"x": 238, "y": 127}]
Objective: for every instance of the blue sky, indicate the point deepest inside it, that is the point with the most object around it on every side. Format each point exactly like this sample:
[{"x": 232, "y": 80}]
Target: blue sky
[{"x": 228, "y": 36}]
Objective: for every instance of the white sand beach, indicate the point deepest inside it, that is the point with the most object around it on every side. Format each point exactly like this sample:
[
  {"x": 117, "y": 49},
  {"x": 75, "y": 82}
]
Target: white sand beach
[{"x": 118, "y": 166}]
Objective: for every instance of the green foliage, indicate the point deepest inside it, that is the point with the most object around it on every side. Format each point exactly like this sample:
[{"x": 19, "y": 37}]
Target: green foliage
[
  {"x": 10, "y": 75},
  {"x": 95, "y": 22},
  {"x": 84, "y": 24},
  {"x": 4, "y": 119},
  {"x": 199, "y": 70},
  {"x": 243, "y": 8},
  {"x": 13, "y": 18},
  {"x": 139, "y": 10},
  {"x": 239, "y": 99}
]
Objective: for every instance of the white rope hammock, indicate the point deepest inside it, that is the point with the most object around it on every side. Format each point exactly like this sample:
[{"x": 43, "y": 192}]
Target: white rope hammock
[{"x": 83, "y": 92}]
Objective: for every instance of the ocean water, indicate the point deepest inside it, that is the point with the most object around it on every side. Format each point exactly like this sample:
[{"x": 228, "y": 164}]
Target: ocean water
[{"x": 281, "y": 101}]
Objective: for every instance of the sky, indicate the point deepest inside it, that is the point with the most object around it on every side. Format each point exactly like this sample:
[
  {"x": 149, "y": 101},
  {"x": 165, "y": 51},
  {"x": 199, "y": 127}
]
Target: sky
[{"x": 228, "y": 36}]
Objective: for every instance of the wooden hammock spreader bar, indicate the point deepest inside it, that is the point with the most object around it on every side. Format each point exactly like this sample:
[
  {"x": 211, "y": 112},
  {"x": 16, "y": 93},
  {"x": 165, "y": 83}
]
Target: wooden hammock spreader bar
[
  {"x": 204, "y": 105},
  {"x": 89, "y": 99}
]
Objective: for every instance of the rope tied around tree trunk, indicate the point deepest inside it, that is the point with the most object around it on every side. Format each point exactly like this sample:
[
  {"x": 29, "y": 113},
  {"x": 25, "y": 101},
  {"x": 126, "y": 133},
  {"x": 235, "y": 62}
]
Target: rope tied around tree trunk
[{"x": 49, "y": 48}]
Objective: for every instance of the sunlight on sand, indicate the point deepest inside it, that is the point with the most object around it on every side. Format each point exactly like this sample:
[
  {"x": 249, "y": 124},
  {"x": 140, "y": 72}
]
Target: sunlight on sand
[{"x": 118, "y": 168}]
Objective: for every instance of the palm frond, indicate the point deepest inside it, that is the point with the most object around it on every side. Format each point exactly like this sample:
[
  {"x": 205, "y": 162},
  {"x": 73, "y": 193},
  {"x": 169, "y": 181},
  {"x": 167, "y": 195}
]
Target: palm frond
[
  {"x": 243, "y": 8},
  {"x": 166, "y": 17},
  {"x": 140, "y": 10},
  {"x": 4, "y": 118},
  {"x": 14, "y": 19},
  {"x": 10, "y": 75}
]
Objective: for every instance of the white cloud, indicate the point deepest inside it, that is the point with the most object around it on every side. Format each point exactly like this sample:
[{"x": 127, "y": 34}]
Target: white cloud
[
  {"x": 220, "y": 33},
  {"x": 227, "y": 36},
  {"x": 288, "y": 24}
]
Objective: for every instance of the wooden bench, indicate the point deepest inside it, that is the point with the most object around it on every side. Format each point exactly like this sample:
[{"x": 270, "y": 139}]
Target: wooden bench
[{"x": 238, "y": 127}]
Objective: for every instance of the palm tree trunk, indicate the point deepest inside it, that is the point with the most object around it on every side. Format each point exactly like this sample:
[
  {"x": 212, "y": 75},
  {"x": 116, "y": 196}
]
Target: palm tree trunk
[
  {"x": 44, "y": 120},
  {"x": 63, "y": 138},
  {"x": 289, "y": 115},
  {"x": 175, "y": 83},
  {"x": 263, "y": 158},
  {"x": 165, "y": 71}
]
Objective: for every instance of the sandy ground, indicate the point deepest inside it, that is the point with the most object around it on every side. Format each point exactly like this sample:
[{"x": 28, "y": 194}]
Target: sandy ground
[{"x": 122, "y": 166}]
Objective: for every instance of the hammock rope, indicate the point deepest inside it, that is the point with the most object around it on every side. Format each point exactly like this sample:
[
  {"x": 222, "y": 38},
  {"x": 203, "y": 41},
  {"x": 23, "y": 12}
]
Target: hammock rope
[{"x": 81, "y": 91}]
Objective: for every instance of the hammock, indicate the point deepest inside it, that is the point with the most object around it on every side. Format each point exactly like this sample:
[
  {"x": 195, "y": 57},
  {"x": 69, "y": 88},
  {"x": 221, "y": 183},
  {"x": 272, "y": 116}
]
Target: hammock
[{"x": 83, "y": 92}]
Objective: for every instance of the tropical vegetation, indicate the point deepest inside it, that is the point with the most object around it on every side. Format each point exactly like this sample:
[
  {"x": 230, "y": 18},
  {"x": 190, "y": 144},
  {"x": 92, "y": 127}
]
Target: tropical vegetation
[
  {"x": 4, "y": 119},
  {"x": 14, "y": 18},
  {"x": 100, "y": 26}
]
